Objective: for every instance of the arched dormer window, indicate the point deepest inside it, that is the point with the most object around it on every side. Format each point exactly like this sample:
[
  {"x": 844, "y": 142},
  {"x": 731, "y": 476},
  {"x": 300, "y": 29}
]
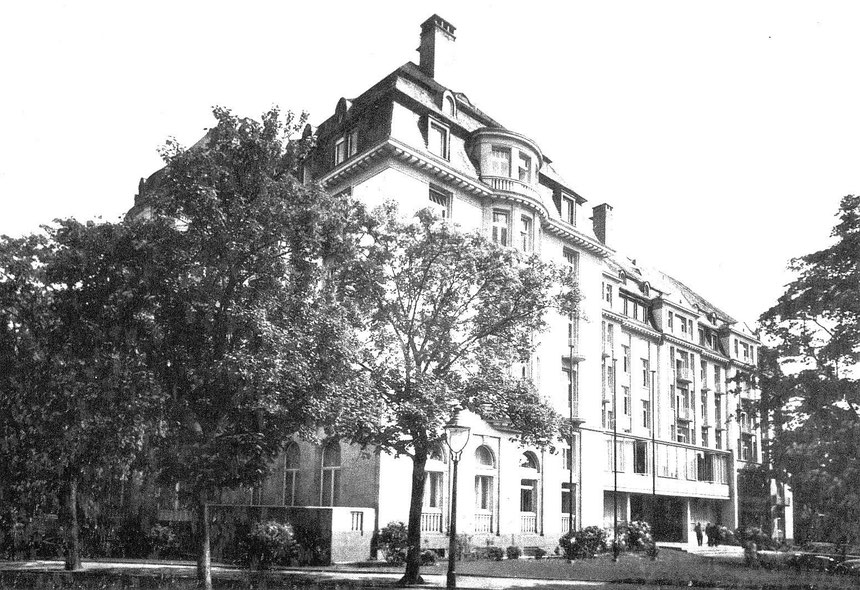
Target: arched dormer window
[
  {"x": 646, "y": 288},
  {"x": 449, "y": 105},
  {"x": 341, "y": 109},
  {"x": 330, "y": 476}
]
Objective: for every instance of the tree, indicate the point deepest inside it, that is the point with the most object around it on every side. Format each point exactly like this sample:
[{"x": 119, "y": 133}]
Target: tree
[
  {"x": 248, "y": 342},
  {"x": 447, "y": 316},
  {"x": 74, "y": 394},
  {"x": 812, "y": 390}
]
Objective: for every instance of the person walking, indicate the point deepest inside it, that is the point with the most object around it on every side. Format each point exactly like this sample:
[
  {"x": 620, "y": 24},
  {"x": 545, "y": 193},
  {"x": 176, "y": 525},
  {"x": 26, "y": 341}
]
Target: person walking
[{"x": 698, "y": 531}]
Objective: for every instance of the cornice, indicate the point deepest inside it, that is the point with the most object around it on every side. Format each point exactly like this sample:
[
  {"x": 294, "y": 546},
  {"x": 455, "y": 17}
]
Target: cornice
[
  {"x": 611, "y": 315},
  {"x": 640, "y": 329}
]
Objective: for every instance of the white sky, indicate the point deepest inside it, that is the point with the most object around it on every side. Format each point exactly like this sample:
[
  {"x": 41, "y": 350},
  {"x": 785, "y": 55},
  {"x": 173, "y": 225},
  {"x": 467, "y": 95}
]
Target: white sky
[{"x": 723, "y": 133}]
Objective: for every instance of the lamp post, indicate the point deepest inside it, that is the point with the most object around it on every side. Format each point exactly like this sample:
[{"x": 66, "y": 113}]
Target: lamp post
[
  {"x": 615, "y": 459},
  {"x": 456, "y": 437}
]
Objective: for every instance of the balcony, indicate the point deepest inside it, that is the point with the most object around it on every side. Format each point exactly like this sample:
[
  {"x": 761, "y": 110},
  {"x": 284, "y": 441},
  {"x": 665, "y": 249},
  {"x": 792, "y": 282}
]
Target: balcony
[
  {"x": 528, "y": 522},
  {"x": 483, "y": 522},
  {"x": 684, "y": 375},
  {"x": 574, "y": 349},
  {"x": 685, "y": 414},
  {"x": 511, "y": 186},
  {"x": 431, "y": 522}
]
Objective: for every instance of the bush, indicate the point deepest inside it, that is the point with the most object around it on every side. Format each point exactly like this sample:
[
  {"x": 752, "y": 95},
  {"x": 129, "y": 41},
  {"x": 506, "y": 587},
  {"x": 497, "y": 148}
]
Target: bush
[
  {"x": 464, "y": 546},
  {"x": 513, "y": 552},
  {"x": 634, "y": 536},
  {"x": 131, "y": 540},
  {"x": 726, "y": 536},
  {"x": 540, "y": 553},
  {"x": 587, "y": 542},
  {"x": 428, "y": 557},
  {"x": 753, "y": 534},
  {"x": 163, "y": 542},
  {"x": 392, "y": 541},
  {"x": 495, "y": 553},
  {"x": 269, "y": 543}
]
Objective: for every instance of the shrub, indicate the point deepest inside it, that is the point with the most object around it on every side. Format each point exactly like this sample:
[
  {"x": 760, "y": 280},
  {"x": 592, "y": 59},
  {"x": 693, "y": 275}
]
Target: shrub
[
  {"x": 495, "y": 553},
  {"x": 131, "y": 540},
  {"x": 464, "y": 546},
  {"x": 392, "y": 541},
  {"x": 163, "y": 541},
  {"x": 513, "y": 552},
  {"x": 726, "y": 536},
  {"x": 428, "y": 557},
  {"x": 540, "y": 553},
  {"x": 269, "y": 543},
  {"x": 753, "y": 534},
  {"x": 587, "y": 542}
]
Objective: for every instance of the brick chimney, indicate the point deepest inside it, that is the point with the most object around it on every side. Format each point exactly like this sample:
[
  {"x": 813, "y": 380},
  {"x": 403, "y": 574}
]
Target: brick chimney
[
  {"x": 601, "y": 220},
  {"x": 436, "y": 50}
]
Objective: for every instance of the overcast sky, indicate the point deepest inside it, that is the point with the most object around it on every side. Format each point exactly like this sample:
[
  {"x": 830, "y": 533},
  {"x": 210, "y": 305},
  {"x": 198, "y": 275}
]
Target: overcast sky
[{"x": 724, "y": 134}]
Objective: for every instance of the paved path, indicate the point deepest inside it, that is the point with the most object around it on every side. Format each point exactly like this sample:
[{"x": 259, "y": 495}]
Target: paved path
[{"x": 369, "y": 578}]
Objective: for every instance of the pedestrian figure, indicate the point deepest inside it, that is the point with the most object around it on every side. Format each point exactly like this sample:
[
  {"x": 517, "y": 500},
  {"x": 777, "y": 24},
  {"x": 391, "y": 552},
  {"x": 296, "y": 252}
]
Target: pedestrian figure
[
  {"x": 709, "y": 529},
  {"x": 698, "y": 531}
]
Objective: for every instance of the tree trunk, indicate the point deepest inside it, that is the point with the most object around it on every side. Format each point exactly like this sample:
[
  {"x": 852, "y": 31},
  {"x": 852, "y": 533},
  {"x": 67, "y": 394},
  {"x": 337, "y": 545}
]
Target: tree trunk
[
  {"x": 70, "y": 524},
  {"x": 204, "y": 556},
  {"x": 413, "y": 535}
]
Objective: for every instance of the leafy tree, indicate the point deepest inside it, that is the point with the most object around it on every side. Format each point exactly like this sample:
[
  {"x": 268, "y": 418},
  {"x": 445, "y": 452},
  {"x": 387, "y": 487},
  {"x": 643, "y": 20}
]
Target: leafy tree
[
  {"x": 248, "y": 341},
  {"x": 74, "y": 394},
  {"x": 447, "y": 315},
  {"x": 809, "y": 380}
]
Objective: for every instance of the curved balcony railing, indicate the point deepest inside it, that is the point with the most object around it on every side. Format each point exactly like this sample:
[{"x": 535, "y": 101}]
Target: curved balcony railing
[{"x": 503, "y": 184}]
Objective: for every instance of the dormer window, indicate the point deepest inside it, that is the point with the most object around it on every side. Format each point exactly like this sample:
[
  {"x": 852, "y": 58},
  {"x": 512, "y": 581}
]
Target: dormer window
[
  {"x": 568, "y": 209},
  {"x": 437, "y": 139},
  {"x": 449, "y": 106},
  {"x": 345, "y": 147},
  {"x": 500, "y": 161}
]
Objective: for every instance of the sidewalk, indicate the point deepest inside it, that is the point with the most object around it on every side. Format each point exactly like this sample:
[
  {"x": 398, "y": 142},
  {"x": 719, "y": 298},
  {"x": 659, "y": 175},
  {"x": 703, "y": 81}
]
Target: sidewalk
[{"x": 356, "y": 577}]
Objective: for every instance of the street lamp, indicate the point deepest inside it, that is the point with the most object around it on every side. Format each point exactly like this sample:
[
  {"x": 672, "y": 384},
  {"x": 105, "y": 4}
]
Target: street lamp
[{"x": 456, "y": 437}]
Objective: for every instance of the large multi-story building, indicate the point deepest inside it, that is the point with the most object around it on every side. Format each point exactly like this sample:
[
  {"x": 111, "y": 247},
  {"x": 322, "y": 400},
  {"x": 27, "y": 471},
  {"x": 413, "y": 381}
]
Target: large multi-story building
[{"x": 656, "y": 378}]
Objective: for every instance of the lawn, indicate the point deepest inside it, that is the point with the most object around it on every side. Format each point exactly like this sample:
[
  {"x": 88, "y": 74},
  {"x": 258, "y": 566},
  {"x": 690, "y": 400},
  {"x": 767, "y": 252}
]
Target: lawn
[{"x": 671, "y": 568}]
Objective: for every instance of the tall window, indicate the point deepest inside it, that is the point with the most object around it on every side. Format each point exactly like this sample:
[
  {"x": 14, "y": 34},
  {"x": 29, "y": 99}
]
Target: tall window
[
  {"x": 437, "y": 139},
  {"x": 525, "y": 168},
  {"x": 526, "y": 234},
  {"x": 607, "y": 294},
  {"x": 625, "y": 356},
  {"x": 567, "y": 498},
  {"x": 640, "y": 457},
  {"x": 448, "y": 106},
  {"x": 291, "y": 473},
  {"x": 571, "y": 257},
  {"x": 528, "y": 484},
  {"x": 330, "y": 488},
  {"x": 484, "y": 487},
  {"x": 568, "y": 210},
  {"x": 345, "y": 147},
  {"x": 484, "y": 492},
  {"x": 500, "y": 227},
  {"x": 569, "y": 380},
  {"x": 646, "y": 377},
  {"x": 646, "y": 414},
  {"x": 500, "y": 161},
  {"x": 433, "y": 490},
  {"x": 566, "y": 458}
]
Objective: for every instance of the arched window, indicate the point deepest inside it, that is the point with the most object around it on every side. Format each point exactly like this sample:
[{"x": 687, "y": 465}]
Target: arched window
[
  {"x": 449, "y": 106},
  {"x": 437, "y": 453},
  {"x": 529, "y": 469},
  {"x": 330, "y": 477},
  {"x": 434, "y": 486},
  {"x": 484, "y": 457},
  {"x": 529, "y": 461},
  {"x": 291, "y": 473}
]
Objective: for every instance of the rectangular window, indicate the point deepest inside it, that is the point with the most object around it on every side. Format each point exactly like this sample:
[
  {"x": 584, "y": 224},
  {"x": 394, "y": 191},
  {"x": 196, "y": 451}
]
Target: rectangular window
[
  {"x": 625, "y": 393},
  {"x": 737, "y": 354},
  {"x": 608, "y": 294},
  {"x": 437, "y": 139},
  {"x": 568, "y": 210},
  {"x": 625, "y": 305},
  {"x": 683, "y": 321},
  {"x": 569, "y": 381},
  {"x": 566, "y": 498},
  {"x": 718, "y": 439},
  {"x": 345, "y": 147},
  {"x": 500, "y": 161},
  {"x": 526, "y": 234},
  {"x": 528, "y": 495},
  {"x": 646, "y": 414},
  {"x": 703, "y": 373},
  {"x": 441, "y": 201},
  {"x": 704, "y": 437},
  {"x": 671, "y": 321},
  {"x": 701, "y": 336},
  {"x": 640, "y": 457},
  {"x": 612, "y": 457},
  {"x": 625, "y": 356},
  {"x": 571, "y": 257},
  {"x": 566, "y": 458},
  {"x": 433, "y": 490},
  {"x": 500, "y": 227},
  {"x": 646, "y": 378},
  {"x": 340, "y": 151},
  {"x": 525, "y": 168},
  {"x": 484, "y": 492}
]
